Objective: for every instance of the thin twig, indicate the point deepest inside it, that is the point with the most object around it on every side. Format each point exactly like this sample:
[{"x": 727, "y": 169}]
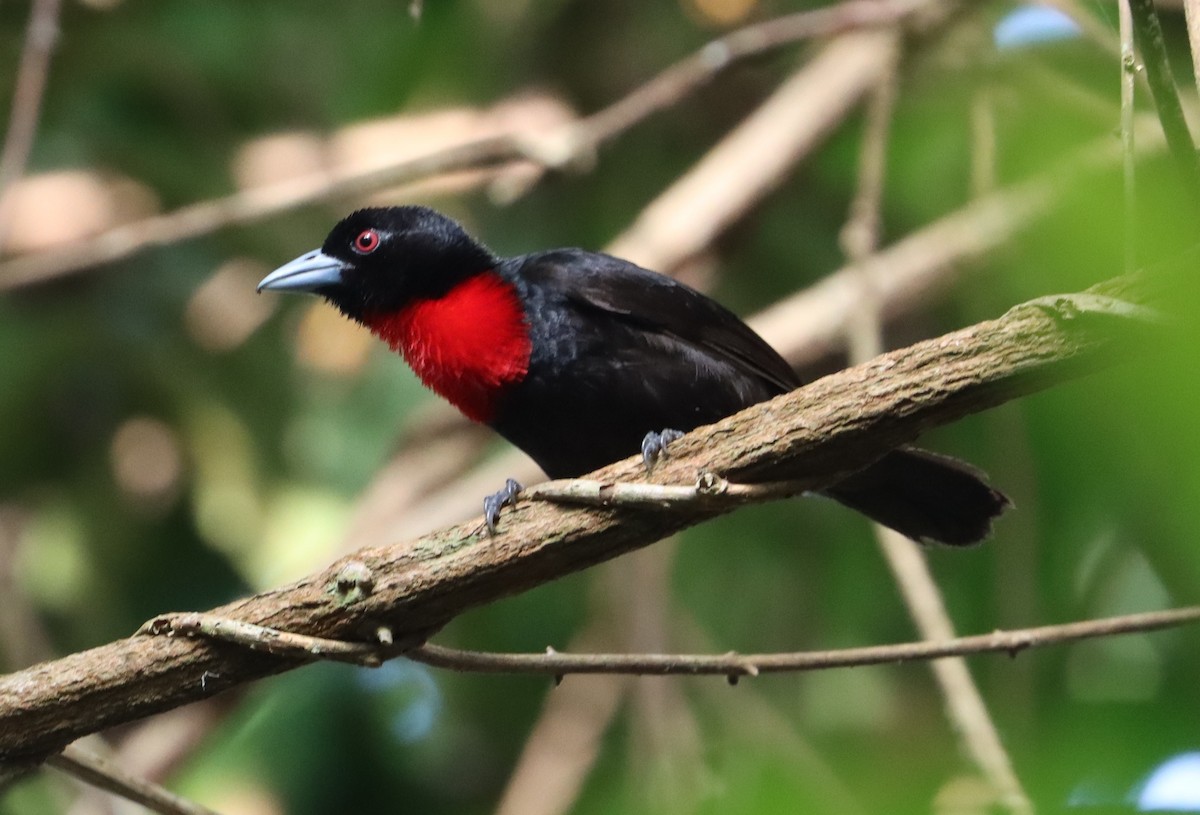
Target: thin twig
[
  {"x": 95, "y": 770},
  {"x": 30, "y": 87},
  {"x": 861, "y": 234},
  {"x": 709, "y": 492},
  {"x": 1147, "y": 33},
  {"x": 283, "y": 644},
  {"x": 558, "y": 148},
  {"x": 860, "y": 237},
  {"x": 694, "y": 71},
  {"x": 553, "y": 663},
  {"x": 288, "y": 644}
]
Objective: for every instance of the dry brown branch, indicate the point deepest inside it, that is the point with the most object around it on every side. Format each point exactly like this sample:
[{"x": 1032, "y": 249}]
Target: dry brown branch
[
  {"x": 833, "y": 426},
  {"x": 424, "y": 466},
  {"x": 756, "y": 157},
  {"x": 946, "y": 649},
  {"x": 860, "y": 234},
  {"x": 562, "y": 748},
  {"x": 692, "y": 72},
  {"x": 98, "y": 772},
  {"x": 735, "y": 665},
  {"x": 556, "y": 149}
]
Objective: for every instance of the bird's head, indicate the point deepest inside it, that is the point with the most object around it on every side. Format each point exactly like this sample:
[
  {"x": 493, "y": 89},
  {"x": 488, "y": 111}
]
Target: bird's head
[{"x": 378, "y": 260}]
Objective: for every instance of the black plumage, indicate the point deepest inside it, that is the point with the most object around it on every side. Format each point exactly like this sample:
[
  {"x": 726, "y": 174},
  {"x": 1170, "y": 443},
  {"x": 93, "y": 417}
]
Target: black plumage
[{"x": 613, "y": 351}]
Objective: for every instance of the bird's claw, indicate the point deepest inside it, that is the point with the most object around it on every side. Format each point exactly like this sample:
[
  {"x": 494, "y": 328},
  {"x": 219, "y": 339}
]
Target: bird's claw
[
  {"x": 497, "y": 501},
  {"x": 654, "y": 446}
]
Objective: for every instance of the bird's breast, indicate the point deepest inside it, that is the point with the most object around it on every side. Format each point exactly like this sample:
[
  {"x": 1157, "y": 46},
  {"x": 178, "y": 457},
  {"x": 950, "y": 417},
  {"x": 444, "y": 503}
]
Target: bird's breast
[{"x": 468, "y": 346}]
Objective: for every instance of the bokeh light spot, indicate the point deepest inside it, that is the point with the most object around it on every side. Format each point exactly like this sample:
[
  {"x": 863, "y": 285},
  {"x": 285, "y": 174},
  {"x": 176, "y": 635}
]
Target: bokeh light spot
[
  {"x": 1173, "y": 786},
  {"x": 146, "y": 460}
]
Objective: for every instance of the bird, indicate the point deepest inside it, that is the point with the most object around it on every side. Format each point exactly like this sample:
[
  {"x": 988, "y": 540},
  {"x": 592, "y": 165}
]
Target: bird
[{"x": 580, "y": 359}]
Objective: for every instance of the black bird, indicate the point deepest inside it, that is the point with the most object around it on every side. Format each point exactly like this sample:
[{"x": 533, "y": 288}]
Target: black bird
[{"x": 579, "y": 358}]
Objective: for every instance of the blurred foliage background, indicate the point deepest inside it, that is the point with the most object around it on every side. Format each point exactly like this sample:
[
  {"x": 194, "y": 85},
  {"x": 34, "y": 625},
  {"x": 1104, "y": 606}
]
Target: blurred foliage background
[{"x": 169, "y": 440}]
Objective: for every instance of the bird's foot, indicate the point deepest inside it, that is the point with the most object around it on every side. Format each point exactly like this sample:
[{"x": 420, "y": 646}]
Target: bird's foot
[
  {"x": 497, "y": 501},
  {"x": 654, "y": 446}
]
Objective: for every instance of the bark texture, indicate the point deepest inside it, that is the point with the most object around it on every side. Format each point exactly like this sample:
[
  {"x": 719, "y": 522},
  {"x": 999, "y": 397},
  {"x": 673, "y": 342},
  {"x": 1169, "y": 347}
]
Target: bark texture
[{"x": 832, "y": 426}]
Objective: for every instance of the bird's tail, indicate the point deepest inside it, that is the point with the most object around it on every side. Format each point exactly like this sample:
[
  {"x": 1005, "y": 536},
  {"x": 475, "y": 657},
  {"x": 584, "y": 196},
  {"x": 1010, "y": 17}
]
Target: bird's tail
[{"x": 924, "y": 496}]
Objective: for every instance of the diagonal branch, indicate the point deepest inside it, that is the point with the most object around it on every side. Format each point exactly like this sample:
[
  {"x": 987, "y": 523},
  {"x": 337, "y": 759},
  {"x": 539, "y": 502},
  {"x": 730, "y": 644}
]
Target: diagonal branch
[
  {"x": 833, "y": 426},
  {"x": 104, "y": 774}
]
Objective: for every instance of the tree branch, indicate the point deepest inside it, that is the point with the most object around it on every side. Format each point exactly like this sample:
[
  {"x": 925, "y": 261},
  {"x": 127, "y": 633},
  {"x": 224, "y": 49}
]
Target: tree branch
[
  {"x": 562, "y": 147},
  {"x": 831, "y": 427},
  {"x": 553, "y": 663},
  {"x": 99, "y": 772}
]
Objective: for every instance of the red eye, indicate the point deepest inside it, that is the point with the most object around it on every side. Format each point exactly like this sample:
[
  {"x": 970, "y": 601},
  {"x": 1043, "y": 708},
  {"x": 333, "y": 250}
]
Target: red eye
[{"x": 366, "y": 242}]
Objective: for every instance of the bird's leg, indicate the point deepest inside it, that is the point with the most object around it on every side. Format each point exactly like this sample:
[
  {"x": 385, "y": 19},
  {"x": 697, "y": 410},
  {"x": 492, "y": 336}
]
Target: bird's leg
[
  {"x": 497, "y": 501},
  {"x": 654, "y": 446}
]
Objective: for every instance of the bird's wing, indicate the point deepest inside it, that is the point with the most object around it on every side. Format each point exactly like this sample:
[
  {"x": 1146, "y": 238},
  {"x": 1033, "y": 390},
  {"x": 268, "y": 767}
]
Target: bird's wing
[{"x": 659, "y": 304}]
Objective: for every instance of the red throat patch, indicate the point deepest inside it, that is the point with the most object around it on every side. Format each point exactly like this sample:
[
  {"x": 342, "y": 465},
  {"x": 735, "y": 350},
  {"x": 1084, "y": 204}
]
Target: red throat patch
[{"x": 466, "y": 346}]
